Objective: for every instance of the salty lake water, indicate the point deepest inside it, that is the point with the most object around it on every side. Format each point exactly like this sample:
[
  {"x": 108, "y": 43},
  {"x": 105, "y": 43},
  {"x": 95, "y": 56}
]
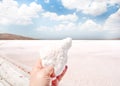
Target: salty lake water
[{"x": 90, "y": 62}]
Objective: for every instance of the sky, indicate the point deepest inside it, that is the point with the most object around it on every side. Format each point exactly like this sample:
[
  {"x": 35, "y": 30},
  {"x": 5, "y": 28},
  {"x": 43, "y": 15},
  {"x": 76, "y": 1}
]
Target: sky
[{"x": 57, "y": 19}]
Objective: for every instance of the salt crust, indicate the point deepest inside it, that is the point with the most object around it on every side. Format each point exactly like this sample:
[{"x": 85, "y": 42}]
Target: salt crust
[{"x": 56, "y": 55}]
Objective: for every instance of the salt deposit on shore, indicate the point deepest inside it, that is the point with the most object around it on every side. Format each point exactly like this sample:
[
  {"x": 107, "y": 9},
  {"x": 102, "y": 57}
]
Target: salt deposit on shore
[
  {"x": 90, "y": 63},
  {"x": 11, "y": 75}
]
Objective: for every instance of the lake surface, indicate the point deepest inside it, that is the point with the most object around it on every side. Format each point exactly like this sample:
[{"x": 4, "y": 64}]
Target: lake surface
[{"x": 90, "y": 62}]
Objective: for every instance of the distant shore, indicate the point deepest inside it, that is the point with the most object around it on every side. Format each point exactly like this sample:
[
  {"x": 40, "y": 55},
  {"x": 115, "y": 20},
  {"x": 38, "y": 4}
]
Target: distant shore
[{"x": 8, "y": 36}]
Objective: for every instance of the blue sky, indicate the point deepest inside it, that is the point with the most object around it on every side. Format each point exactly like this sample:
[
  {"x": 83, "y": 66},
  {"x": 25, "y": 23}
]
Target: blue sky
[{"x": 57, "y": 19}]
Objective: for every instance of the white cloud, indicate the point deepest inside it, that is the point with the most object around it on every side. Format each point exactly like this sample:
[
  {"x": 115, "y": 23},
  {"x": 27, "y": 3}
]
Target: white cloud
[
  {"x": 59, "y": 27},
  {"x": 91, "y": 7},
  {"x": 113, "y": 2},
  {"x": 12, "y": 13},
  {"x": 76, "y": 4},
  {"x": 96, "y": 8},
  {"x": 68, "y": 26},
  {"x": 112, "y": 24},
  {"x": 55, "y": 17},
  {"x": 89, "y": 25}
]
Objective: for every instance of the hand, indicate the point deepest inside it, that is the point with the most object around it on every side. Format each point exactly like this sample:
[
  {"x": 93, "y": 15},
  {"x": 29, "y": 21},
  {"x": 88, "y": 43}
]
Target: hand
[
  {"x": 41, "y": 76},
  {"x": 58, "y": 78}
]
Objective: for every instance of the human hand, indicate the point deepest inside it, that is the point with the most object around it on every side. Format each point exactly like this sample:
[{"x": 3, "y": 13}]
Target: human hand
[
  {"x": 42, "y": 76},
  {"x": 56, "y": 81}
]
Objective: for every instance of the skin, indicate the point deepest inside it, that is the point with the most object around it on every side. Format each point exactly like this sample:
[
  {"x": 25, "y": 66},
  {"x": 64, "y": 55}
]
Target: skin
[{"x": 41, "y": 76}]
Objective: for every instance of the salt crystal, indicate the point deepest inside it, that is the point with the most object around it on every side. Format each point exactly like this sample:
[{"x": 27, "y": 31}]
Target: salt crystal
[{"x": 56, "y": 55}]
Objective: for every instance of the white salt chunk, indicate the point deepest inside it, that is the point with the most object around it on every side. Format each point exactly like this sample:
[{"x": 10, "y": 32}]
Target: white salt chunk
[{"x": 56, "y": 55}]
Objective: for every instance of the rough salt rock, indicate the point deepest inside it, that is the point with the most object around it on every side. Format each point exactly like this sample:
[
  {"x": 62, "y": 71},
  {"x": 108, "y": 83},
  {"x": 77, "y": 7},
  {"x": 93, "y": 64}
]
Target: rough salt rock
[{"x": 56, "y": 55}]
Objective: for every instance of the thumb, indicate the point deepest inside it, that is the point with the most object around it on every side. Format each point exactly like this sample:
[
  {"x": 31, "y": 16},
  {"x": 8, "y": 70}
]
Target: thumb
[{"x": 49, "y": 70}]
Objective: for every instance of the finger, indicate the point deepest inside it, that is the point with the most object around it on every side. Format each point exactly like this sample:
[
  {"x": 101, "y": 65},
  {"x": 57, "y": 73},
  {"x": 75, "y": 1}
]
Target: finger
[
  {"x": 62, "y": 74},
  {"x": 55, "y": 82},
  {"x": 49, "y": 70},
  {"x": 52, "y": 75},
  {"x": 38, "y": 64}
]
